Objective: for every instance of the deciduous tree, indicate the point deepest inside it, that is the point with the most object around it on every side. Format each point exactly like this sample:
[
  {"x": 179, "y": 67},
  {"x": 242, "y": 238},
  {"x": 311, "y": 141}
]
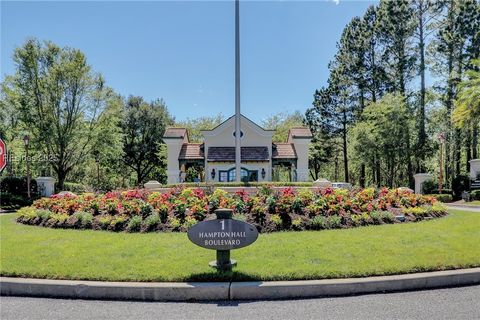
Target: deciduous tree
[
  {"x": 143, "y": 127},
  {"x": 59, "y": 100}
]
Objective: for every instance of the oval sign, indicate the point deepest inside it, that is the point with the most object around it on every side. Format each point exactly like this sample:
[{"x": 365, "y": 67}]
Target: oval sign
[{"x": 223, "y": 234}]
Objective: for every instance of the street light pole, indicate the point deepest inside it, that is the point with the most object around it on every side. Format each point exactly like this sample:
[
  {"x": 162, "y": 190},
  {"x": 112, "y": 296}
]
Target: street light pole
[
  {"x": 26, "y": 140},
  {"x": 238, "y": 152}
]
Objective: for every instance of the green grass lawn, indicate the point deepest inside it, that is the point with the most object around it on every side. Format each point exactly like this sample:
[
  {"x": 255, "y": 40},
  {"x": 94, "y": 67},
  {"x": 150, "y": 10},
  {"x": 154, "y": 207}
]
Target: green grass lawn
[{"x": 445, "y": 243}]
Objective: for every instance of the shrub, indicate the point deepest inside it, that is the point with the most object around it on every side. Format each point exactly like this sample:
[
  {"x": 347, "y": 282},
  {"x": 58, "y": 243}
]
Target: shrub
[
  {"x": 85, "y": 219},
  {"x": 240, "y": 217},
  {"x": 151, "y": 222},
  {"x": 18, "y": 186},
  {"x": 297, "y": 223},
  {"x": 43, "y": 214},
  {"x": 276, "y": 219},
  {"x": 258, "y": 211},
  {"x": 334, "y": 221},
  {"x": 444, "y": 191},
  {"x": 13, "y": 192},
  {"x": 26, "y": 214},
  {"x": 387, "y": 216},
  {"x": 437, "y": 209},
  {"x": 443, "y": 197},
  {"x": 10, "y": 201},
  {"x": 475, "y": 195},
  {"x": 76, "y": 188},
  {"x": 429, "y": 186},
  {"x": 191, "y": 175},
  {"x": 241, "y": 184},
  {"x": 417, "y": 212},
  {"x": 269, "y": 209},
  {"x": 459, "y": 184},
  {"x": 319, "y": 222},
  {"x": 118, "y": 223},
  {"x": 134, "y": 224},
  {"x": 356, "y": 219},
  {"x": 189, "y": 222},
  {"x": 377, "y": 217},
  {"x": 145, "y": 210},
  {"x": 103, "y": 222},
  {"x": 174, "y": 223},
  {"x": 57, "y": 220},
  {"x": 365, "y": 218}
]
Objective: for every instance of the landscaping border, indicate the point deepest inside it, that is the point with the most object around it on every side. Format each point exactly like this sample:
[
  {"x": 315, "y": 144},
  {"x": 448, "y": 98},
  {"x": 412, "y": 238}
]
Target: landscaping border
[{"x": 269, "y": 290}]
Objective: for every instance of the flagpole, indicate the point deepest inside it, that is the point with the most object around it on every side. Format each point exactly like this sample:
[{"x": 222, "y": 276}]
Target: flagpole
[{"x": 238, "y": 149}]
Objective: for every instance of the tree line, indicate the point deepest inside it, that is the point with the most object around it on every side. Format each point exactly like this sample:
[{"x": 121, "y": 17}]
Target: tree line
[
  {"x": 377, "y": 121},
  {"x": 404, "y": 73},
  {"x": 81, "y": 131},
  {"x": 90, "y": 133}
]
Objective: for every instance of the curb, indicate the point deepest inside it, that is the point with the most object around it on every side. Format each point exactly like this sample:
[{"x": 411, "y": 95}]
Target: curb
[
  {"x": 353, "y": 286},
  {"x": 201, "y": 291},
  {"x": 142, "y": 291}
]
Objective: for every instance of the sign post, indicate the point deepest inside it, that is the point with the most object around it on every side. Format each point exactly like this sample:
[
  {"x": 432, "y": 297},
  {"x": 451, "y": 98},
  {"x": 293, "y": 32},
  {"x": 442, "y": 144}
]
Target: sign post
[
  {"x": 3, "y": 155},
  {"x": 223, "y": 234},
  {"x": 223, "y": 261}
]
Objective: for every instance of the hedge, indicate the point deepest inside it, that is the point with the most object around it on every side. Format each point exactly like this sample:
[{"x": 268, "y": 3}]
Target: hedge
[
  {"x": 475, "y": 195},
  {"x": 74, "y": 187},
  {"x": 445, "y": 198},
  {"x": 239, "y": 184}
]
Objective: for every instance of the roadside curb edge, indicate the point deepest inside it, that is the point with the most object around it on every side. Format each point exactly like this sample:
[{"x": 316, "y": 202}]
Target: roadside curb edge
[{"x": 201, "y": 291}]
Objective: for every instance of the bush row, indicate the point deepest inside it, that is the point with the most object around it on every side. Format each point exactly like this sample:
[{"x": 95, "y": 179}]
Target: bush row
[
  {"x": 445, "y": 198},
  {"x": 239, "y": 184},
  {"x": 269, "y": 210},
  {"x": 475, "y": 195},
  {"x": 10, "y": 201}
]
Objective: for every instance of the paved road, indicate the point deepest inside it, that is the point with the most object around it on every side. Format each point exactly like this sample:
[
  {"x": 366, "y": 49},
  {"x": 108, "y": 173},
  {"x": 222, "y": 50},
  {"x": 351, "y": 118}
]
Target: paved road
[
  {"x": 464, "y": 208},
  {"x": 453, "y": 303}
]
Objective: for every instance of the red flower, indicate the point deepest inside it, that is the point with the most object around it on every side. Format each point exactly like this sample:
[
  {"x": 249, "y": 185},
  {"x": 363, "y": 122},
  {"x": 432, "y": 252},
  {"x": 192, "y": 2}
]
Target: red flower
[{"x": 327, "y": 191}]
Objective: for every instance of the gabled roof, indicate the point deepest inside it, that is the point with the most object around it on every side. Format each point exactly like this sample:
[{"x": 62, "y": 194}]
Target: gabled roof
[
  {"x": 191, "y": 151},
  {"x": 243, "y": 117},
  {"x": 175, "y": 133},
  {"x": 299, "y": 133},
  {"x": 283, "y": 151},
  {"x": 247, "y": 154}
]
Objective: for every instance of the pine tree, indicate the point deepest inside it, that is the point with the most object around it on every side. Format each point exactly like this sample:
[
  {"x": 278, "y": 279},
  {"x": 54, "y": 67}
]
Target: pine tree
[
  {"x": 334, "y": 110},
  {"x": 375, "y": 75},
  {"x": 396, "y": 28},
  {"x": 426, "y": 13},
  {"x": 456, "y": 44}
]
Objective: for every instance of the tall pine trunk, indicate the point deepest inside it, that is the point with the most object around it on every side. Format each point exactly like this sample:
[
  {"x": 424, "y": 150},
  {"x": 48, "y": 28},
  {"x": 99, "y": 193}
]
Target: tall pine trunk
[
  {"x": 458, "y": 132},
  {"x": 475, "y": 141},
  {"x": 449, "y": 105},
  {"x": 468, "y": 148},
  {"x": 421, "y": 120},
  {"x": 362, "y": 165},
  {"x": 345, "y": 156}
]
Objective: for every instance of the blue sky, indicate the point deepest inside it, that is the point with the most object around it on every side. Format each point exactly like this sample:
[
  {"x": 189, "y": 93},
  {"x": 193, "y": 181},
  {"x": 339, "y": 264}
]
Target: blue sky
[{"x": 183, "y": 51}]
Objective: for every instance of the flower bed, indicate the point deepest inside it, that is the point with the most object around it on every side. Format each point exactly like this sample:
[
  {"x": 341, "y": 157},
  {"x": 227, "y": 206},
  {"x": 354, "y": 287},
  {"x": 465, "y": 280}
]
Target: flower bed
[{"x": 269, "y": 210}]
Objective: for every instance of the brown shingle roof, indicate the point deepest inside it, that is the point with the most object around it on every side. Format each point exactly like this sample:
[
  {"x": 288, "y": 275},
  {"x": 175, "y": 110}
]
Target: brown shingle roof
[
  {"x": 247, "y": 154},
  {"x": 299, "y": 132},
  {"x": 191, "y": 151},
  {"x": 175, "y": 133},
  {"x": 283, "y": 151}
]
